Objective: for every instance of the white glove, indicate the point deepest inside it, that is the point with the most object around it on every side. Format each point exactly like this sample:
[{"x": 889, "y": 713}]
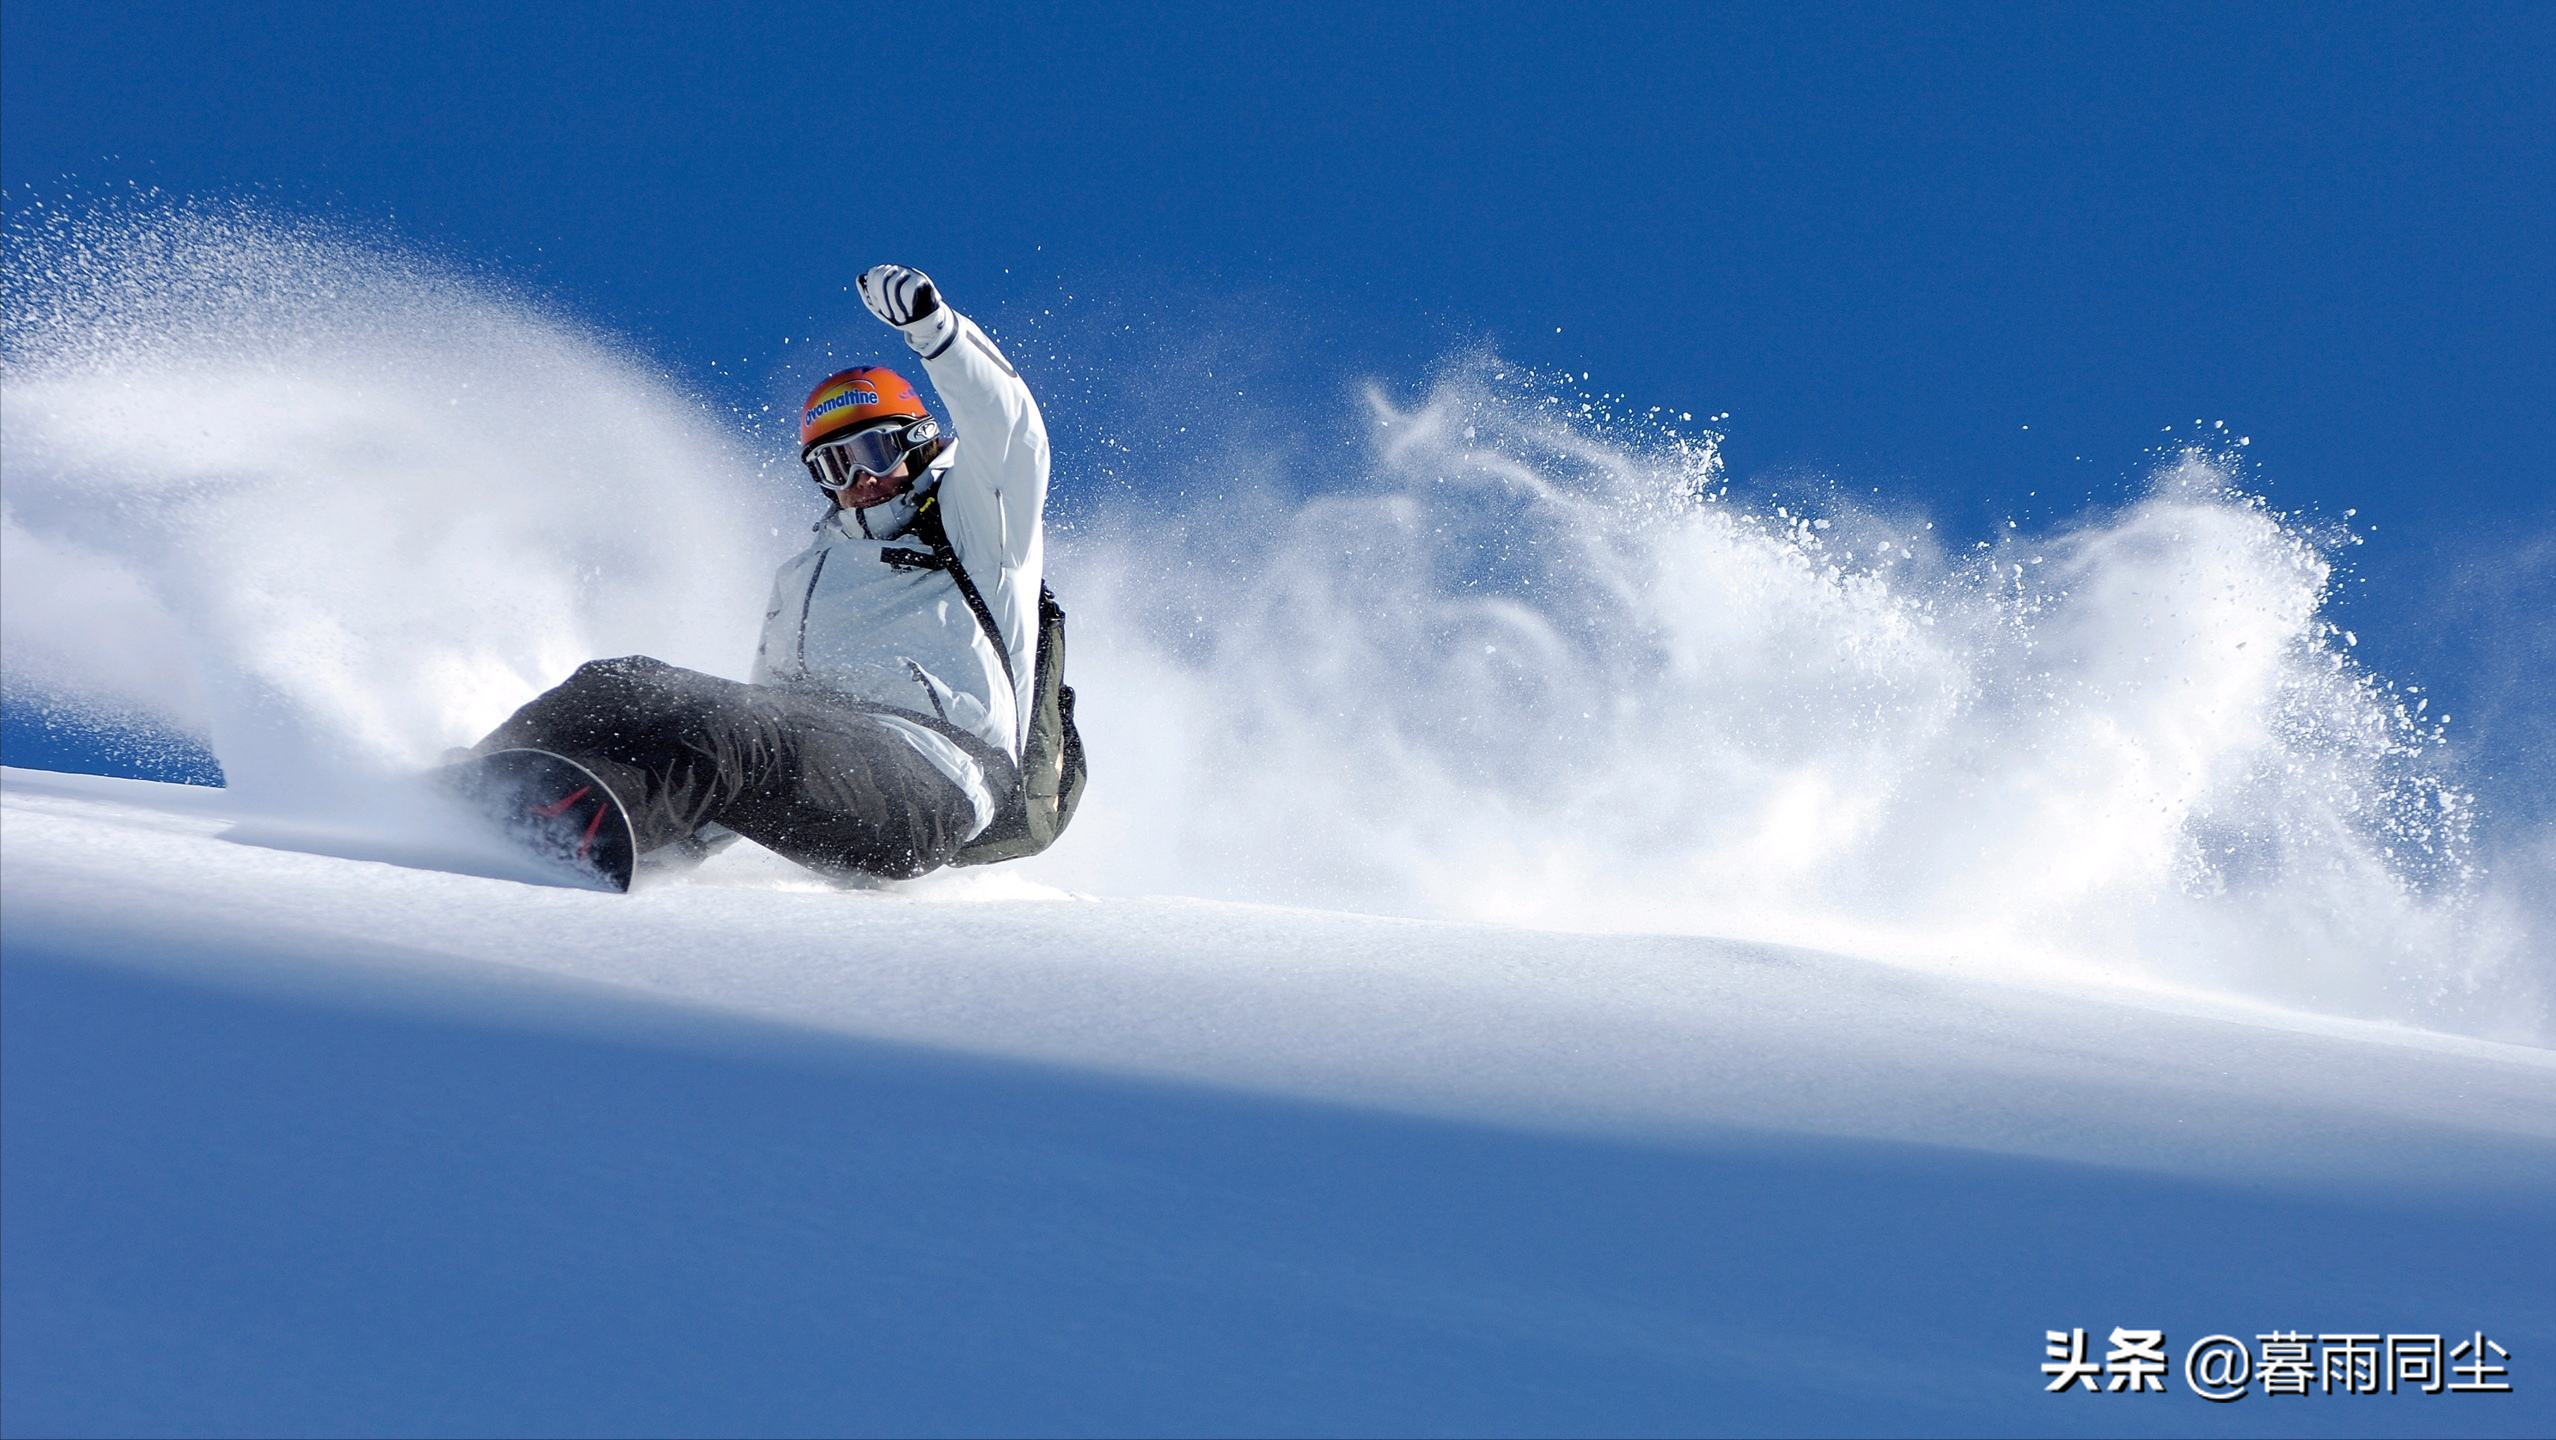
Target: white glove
[
  {"x": 898, "y": 295},
  {"x": 906, "y": 299}
]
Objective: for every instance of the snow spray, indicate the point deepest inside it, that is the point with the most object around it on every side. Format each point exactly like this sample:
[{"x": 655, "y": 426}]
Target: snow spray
[
  {"x": 334, "y": 508},
  {"x": 1538, "y": 667}
]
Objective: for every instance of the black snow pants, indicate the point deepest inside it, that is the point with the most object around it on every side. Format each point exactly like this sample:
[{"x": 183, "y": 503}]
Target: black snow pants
[{"x": 821, "y": 781}]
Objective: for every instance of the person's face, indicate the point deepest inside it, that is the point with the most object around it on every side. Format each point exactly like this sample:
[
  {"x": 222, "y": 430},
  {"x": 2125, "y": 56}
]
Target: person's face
[{"x": 870, "y": 490}]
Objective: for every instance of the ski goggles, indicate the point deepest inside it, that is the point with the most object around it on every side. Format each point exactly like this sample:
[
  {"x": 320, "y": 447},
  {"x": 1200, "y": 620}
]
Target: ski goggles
[{"x": 840, "y": 462}]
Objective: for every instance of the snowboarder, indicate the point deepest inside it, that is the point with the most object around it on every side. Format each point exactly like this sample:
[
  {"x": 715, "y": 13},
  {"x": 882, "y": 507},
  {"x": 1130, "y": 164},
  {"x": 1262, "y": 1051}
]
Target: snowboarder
[{"x": 883, "y": 727}]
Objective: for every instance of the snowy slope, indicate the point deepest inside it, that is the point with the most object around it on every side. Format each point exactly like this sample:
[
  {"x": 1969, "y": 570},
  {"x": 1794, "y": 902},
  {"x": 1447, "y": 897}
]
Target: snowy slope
[
  {"x": 315, "y": 1120},
  {"x": 304, "y": 1142}
]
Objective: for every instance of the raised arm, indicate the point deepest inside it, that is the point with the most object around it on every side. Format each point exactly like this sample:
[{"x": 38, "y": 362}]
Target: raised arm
[{"x": 1002, "y": 440}]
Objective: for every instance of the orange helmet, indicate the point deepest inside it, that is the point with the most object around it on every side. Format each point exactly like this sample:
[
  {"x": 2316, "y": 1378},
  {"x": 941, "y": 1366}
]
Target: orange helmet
[{"x": 856, "y": 397}]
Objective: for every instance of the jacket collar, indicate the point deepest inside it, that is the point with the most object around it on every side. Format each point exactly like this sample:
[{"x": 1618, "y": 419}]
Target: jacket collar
[{"x": 895, "y": 515}]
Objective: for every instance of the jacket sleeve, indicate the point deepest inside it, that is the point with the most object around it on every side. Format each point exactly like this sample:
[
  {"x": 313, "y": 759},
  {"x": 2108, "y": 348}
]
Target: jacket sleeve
[{"x": 1000, "y": 480}]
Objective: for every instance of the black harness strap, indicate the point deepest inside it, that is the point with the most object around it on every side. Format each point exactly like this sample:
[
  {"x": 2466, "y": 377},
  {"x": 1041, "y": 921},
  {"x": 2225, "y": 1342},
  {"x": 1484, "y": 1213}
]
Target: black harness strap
[{"x": 927, "y": 526}]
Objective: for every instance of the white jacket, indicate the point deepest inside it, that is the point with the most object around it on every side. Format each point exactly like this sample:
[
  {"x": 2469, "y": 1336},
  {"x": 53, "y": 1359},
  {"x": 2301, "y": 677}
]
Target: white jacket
[{"x": 861, "y": 612}]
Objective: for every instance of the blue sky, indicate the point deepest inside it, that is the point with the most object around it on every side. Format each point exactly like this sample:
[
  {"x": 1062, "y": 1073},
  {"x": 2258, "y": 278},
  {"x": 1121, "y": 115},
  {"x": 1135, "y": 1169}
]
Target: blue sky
[{"x": 1885, "y": 239}]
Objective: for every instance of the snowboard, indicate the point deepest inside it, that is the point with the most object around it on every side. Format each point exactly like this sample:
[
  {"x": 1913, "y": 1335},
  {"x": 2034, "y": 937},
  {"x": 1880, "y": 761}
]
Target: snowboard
[{"x": 553, "y": 807}]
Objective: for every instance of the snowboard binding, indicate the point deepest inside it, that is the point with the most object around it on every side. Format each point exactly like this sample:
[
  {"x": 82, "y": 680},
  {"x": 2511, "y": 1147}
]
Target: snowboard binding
[{"x": 557, "y": 810}]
